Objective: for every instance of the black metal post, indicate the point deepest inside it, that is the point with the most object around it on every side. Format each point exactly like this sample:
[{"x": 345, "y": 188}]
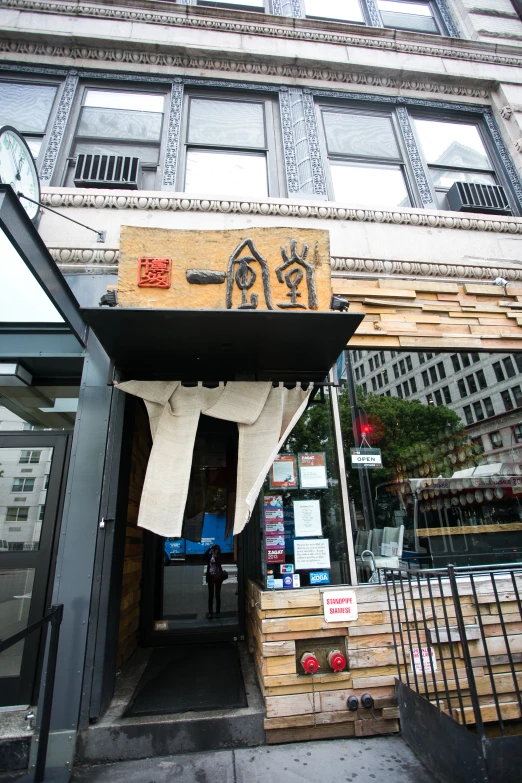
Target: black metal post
[
  {"x": 355, "y": 412},
  {"x": 45, "y": 723},
  {"x": 467, "y": 657}
]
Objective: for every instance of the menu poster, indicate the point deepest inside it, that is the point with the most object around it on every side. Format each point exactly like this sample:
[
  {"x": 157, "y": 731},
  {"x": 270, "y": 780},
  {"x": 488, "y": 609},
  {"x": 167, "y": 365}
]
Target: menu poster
[
  {"x": 311, "y": 553},
  {"x": 312, "y": 470},
  {"x": 307, "y": 518},
  {"x": 283, "y": 473}
]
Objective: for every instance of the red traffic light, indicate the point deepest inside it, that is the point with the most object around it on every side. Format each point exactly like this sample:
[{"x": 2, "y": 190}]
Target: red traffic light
[{"x": 366, "y": 429}]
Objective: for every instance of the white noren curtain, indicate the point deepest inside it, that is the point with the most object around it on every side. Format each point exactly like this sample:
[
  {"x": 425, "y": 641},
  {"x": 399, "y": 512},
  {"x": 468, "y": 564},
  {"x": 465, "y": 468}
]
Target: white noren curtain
[{"x": 265, "y": 417}]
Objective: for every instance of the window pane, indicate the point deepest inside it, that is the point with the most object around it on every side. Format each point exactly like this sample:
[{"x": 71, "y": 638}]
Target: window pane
[
  {"x": 226, "y": 173},
  {"x": 15, "y": 599},
  {"x": 452, "y": 144},
  {"x": 26, "y": 106},
  {"x": 34, "y": 146},
  {"x": 346, "y": 10},
  {"x": 407, "y": 21},
  {"x": 130, "y": 101},
  {"x": 445, "y": 178},
  {"x": 252, "y": 3},
  {"x": 226, "y": 123},
  {"x": 119, "y": 124},
  {"x": 20, "y": 522},
  {"x": 146, "y": 154},
  {"x": 360, "y": 134},
  {"x": 369, "y": 185}
]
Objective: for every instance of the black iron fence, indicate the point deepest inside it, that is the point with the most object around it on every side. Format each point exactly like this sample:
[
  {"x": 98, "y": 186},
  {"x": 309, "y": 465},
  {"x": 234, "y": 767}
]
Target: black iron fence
[
  {"x": 54, "y": 619},
  {"x": 458, "y": 640}
]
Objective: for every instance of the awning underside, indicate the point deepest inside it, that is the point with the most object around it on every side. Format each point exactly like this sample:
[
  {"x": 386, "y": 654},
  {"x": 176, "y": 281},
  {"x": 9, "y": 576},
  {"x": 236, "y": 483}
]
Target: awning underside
[{"x": 221, "y": 345}]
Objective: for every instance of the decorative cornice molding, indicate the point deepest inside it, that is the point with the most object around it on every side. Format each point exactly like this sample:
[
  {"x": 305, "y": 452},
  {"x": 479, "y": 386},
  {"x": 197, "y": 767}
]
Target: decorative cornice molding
[
  {"x": 377, "y": 40},
  {"x": 168, "y": 202},
  {"x": 475, "y": 269},
  {"x": 136, "y": 57},
  {"x": 106, "y": 260}
]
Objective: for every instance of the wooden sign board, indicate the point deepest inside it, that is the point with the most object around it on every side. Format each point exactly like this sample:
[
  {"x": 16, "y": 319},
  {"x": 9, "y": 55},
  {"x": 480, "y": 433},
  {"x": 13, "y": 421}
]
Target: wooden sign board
[{"x": 253, "y": 269}]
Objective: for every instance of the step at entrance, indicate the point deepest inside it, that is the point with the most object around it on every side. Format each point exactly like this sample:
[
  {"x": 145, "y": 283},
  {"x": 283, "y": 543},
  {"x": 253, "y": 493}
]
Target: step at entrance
[{"x": 117, "y": 737}]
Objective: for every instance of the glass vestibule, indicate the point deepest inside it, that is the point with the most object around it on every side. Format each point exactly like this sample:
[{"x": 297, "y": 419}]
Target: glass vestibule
[
  {"x": 302, "y": 540},
  {"x": 450, "y": 486}
]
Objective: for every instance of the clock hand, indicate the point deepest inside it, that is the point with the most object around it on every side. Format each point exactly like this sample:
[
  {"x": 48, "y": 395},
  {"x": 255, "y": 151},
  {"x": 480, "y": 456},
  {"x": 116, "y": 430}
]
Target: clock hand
[{"x": 17, "y": 175}]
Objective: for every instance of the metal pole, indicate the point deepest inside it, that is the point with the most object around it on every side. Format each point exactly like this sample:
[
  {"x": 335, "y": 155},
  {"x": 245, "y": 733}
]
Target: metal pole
[
  {"x": 43, "y": 739},
  {"x": 345, "y": 499},
  {"x": 355, "y": 411}
]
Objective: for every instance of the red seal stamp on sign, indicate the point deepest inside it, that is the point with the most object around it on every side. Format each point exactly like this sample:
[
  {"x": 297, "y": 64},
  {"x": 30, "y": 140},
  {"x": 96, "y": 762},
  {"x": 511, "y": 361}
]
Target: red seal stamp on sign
[{"x": 154, "y": 272}]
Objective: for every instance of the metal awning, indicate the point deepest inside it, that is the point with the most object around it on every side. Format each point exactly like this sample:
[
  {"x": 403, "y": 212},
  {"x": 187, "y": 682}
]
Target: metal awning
[{"x": 221, "y": 345}]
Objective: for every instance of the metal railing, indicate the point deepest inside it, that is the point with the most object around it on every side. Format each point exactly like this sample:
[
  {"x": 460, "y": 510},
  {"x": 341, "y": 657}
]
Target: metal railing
[
  {"x": 54, "y": 619},
  {"x": 458, "y": 641}
]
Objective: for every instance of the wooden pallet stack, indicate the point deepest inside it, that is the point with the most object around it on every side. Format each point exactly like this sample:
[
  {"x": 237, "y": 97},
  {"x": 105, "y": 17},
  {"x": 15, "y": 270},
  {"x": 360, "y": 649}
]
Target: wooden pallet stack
[{"x": 299, "y": 708}]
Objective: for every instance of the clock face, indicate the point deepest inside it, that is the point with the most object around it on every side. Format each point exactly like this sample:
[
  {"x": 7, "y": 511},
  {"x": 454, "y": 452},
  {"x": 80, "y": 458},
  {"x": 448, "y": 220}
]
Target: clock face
[{"x": 18, "y": 169}]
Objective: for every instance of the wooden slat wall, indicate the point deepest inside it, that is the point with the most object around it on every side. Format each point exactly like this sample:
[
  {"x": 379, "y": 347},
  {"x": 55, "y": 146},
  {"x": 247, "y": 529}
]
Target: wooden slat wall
[
  {"x": 427, "y": 314},
  {"x": 132, "y": 566},
  {"x": 275, "y": 619}
]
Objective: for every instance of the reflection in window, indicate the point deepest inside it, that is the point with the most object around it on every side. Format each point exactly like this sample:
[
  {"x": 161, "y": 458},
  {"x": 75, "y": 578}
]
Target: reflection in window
[
  {"x": 344, "y": 10},
  {"x": 454, "y": 152},
  {"x": 405, "y": 15},
  {"x": 121, "y": 123},
  {"x": 23, "y": 485},
  {"x": 27, "y": 107},
  {"x": 365, "y": 160},
  {"x": 37, "y": 408},
  {"x": 15, "y": 599},
  {"x": 21, "y": 517}
]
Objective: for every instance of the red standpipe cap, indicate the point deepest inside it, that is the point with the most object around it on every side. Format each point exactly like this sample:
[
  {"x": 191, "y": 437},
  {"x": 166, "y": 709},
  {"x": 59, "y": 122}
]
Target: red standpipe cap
[
  {"x": 336, "y": 660},
  {"x": 309, "y": 663}
]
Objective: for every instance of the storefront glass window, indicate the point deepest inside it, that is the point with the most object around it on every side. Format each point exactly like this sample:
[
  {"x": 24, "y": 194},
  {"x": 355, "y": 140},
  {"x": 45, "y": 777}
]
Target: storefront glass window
[
  {"x": 450, "y": 486},
  {"x": 37, "y": 408},
  {"x": 301, "y": 516}
]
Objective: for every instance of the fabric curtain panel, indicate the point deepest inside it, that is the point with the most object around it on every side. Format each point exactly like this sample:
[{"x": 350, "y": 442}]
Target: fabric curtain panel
[{"x": 265, "y": 417}]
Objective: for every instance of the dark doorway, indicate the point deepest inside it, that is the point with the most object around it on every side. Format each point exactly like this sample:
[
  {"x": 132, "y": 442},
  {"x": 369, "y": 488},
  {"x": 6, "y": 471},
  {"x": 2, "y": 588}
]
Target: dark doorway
[{"x": 178, "y": 605}]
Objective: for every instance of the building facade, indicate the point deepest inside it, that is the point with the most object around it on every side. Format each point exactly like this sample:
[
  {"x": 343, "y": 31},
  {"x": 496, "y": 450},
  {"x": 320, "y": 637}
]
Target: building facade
[{"x": 394, "y": 131}]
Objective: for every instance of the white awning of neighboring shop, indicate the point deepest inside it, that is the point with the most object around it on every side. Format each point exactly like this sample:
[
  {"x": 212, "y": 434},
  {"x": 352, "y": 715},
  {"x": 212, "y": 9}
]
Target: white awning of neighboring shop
[{"x": 221, "y": 345}]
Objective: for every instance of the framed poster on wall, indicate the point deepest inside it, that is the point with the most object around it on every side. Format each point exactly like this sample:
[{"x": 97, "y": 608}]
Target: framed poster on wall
[
  {"x": 312, "y": 470},
  {"x": 283, "y": 473}
]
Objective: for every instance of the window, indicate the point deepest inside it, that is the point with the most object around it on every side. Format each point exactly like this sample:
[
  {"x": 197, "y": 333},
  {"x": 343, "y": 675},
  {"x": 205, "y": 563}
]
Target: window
[
  {"x": 481, "y": 378},
  {"x": 477, "y": 440},
  {"x": 488, "y": 405},
  {"x": 479, "y": 413},
  {"x": 472, "y": 386},
  {"x": 29, "y": 457},
  {"x": 402, "y": 367},
  {"x": 374, "y": 383},
  {"x": 357, "y": 376},
  {"x": 517, "y": 394},
  {"x": 46, "y": 481},
  {"x": 468, "y": 414},
  {"x": 438, "y": 397},
  {"x": 475, "y": 357},
  {"x": 447, "y": 394},
  {"x": 406, "y": 389},
  {"x": 127, "y": 123},
  {"x": 429, "y": 356},
  {"x": 385, "y": 376},
  {"x": 370, "y": 364},
  {"x": 413, "y": 385},
  {"x": 421, "y": 358},
  {"x": 517, "y": 433},
  {"x": 404, "y": 15},
  {"x": 510, "y": 369},
  {"x": 455, "y": 362},
  {"x": 27, "y": 107},
  {"x": 442, "y": 371},
  {"x": 17, "y": 514},
  {"x": 506, "y": 398},
  {"x": 465, "y": 360},
  {"x": 23, "y": 485},
  {"x": 499, "y": 372},
  {"x": 229, "y": 147},
  {"x": 343, "y": 10},
  {"x": 409, "y": 364},
  {"x": 518, "y": 360},
  {"x": 383, "y": 359},
  {"x": 366, "y": 162},
  {"x": 379, "y": 381},
  {"x": 396, "y": 371},
  {"x": 454, "y": 152},
  {"x": 364, "y": 387},
  {"x": 398, "y": 389},
  {"x": 41, "y": 513},
  {"x": 377, "y": 360},
  {"x": 462, "y": 388},
  {"x": 425, "y": 378},
  {"x": 433, "y": 374},
  {"x": 496, "y": 439}
]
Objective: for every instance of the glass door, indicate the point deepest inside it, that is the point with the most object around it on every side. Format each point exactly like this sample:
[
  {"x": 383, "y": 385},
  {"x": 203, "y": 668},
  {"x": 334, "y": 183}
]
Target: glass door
[
  {"x": 197, "y": 580},
  {"x": 31, "y": 475}
]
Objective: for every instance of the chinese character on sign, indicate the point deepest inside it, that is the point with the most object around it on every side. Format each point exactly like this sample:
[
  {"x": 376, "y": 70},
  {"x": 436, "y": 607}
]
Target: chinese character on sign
[
  {"x": 241, "y": 272},
  {"x": 291, "y": 273},
  {"x": 154, "y": 272}
]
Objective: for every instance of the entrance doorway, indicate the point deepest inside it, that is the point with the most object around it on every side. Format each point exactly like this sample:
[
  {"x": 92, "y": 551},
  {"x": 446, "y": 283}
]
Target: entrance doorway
[
  {"x": 181, "y": 603},
  {"x": 31, "y": 474}
]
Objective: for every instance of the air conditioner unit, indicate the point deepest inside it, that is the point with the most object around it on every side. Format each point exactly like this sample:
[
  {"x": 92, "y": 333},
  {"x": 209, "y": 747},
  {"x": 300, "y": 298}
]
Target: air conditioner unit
[
  {"x": 472, "y": 197},
  {"x": 107, "y": 171}
]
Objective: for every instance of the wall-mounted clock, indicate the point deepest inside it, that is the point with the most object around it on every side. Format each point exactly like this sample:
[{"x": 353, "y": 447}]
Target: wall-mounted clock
[{"x": 18, "y": 169}]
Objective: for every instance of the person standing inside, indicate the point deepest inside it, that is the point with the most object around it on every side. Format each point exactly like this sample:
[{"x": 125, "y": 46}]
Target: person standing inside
[{"x": 215, "y": 578}]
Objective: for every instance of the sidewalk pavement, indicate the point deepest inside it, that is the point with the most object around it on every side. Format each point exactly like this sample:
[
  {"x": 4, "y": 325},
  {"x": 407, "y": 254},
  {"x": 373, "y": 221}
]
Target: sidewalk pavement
[{"x": 361, "y": 760}]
